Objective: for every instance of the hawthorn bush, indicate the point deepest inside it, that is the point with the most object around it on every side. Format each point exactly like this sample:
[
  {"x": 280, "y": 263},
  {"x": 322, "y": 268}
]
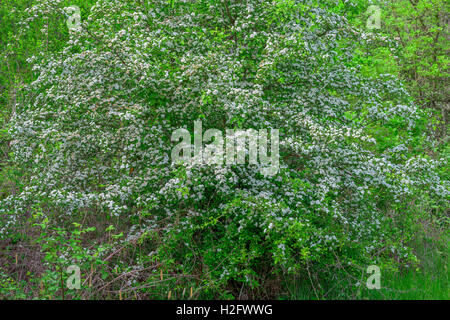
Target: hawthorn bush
[{"x": 91, "y": 136}]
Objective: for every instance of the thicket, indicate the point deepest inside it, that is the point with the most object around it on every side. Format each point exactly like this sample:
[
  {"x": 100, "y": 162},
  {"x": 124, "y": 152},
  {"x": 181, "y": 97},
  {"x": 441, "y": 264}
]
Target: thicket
[{"x": 87, "y": 117}]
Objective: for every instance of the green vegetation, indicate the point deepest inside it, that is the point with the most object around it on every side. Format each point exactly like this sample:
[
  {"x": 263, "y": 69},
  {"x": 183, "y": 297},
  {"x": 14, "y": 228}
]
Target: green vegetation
[{"x": 87, "y": 117}]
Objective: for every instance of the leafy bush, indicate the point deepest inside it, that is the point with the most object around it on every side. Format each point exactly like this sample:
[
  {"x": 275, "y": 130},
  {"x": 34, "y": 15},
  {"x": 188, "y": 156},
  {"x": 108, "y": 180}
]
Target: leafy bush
[{"x": 92, "y": 134}]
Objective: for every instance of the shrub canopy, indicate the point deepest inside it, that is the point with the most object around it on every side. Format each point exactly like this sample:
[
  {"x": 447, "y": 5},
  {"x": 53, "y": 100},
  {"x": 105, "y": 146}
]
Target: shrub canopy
[{"x": 92, "y": 134}]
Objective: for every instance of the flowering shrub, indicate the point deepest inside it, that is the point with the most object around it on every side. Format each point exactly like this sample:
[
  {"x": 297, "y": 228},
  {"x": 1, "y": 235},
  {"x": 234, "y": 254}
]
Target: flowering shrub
[{"x": 92, "y": 134}]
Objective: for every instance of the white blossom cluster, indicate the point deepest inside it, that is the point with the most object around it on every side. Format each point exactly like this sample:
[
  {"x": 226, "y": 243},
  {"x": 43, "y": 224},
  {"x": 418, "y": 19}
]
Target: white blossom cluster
[{"x": 92, "y": 131}]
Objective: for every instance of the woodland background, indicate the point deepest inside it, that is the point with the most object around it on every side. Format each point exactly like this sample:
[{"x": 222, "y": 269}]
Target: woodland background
[{"x": 85, "y": 123}]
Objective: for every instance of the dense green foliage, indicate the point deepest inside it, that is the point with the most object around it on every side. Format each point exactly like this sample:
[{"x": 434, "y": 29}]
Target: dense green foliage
[{"x": 87, "y": 117}]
